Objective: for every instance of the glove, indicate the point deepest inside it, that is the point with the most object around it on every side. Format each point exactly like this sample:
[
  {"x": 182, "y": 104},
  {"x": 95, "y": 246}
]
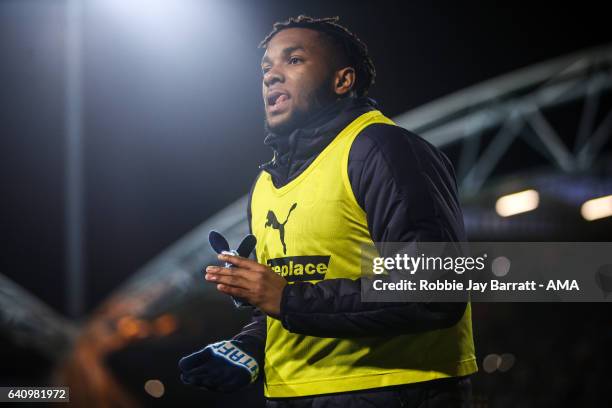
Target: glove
[
  {"x": 221, "y": 366},
  {"x": 221, "y": 246},
  {"x": 239, "y": 303}
]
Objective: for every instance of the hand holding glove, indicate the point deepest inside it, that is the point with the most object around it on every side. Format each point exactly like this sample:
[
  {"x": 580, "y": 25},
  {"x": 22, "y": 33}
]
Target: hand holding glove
[{"x": 221, "y": 366}]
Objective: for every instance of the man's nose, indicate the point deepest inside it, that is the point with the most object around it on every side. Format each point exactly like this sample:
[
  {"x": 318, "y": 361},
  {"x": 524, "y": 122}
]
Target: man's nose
[{"x": 272, "y": 76}]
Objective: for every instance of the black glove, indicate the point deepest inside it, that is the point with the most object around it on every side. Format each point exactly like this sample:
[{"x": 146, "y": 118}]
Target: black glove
[{"x": 221, "y": 366}]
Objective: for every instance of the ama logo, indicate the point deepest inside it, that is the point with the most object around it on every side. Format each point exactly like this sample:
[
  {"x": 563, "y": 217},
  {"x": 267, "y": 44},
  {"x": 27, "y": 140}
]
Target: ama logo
[{"x": 272, "y": 221}]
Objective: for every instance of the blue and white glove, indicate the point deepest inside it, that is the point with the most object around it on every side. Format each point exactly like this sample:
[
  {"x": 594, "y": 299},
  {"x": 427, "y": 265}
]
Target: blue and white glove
[{"x": 221, "y": 366}]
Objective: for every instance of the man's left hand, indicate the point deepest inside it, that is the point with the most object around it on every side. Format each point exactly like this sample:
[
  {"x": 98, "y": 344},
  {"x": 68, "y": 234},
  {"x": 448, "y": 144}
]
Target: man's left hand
[{"x": 252, "y": 281}]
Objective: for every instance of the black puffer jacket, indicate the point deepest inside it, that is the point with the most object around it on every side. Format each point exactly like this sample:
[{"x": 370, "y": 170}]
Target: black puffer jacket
[{"x": 407, "y": 189}]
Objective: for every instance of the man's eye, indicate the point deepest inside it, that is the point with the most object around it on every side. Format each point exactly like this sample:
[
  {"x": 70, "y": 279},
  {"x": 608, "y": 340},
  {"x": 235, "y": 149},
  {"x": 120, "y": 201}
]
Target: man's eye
[
  {"x": 295, "y": 60},
  {"x": 265, "y": 70}
]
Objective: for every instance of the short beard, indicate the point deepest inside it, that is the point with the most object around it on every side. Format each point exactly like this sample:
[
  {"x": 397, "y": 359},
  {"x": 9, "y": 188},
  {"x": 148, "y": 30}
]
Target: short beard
[{"x": 295, "y": 121}]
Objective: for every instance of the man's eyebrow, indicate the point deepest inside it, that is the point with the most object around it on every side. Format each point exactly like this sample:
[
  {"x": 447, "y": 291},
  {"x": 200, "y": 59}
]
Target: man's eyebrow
[
  {"x": 285, "y": 51},
  {"x": 289, "y": 50}
]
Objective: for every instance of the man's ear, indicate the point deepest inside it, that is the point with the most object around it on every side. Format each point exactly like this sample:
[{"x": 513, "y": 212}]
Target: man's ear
[{"x": 344, "y": 81}]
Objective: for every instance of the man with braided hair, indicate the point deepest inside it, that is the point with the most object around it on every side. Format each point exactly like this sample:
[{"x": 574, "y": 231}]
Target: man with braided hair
[{"x": 349, "y": 176}]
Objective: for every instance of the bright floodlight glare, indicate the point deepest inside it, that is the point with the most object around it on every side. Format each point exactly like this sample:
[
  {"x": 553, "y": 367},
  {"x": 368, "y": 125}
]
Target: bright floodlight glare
[
  {"x": 165, "y": 24},
  {"x": 597, "y": 208},
  {"x": 150, "y": 11},
  {"x": 517, "y": 203}
]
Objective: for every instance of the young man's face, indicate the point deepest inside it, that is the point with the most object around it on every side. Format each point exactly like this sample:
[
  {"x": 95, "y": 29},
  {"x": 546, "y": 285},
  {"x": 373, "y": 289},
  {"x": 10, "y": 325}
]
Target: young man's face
[{"x": 298, "y": 74}]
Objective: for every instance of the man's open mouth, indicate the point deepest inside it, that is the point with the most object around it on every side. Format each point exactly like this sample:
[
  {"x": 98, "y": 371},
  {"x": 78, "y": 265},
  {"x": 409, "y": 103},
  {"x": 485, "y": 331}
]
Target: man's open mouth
[{"x": 276, "y": 100}]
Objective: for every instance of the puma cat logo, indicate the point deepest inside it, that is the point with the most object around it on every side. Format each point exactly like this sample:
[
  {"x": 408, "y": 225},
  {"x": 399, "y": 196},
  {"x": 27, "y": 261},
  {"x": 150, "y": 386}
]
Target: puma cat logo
[{"x": 272, "y": 221}]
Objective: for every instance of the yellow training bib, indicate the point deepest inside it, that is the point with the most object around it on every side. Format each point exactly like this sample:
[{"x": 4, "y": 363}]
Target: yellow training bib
[{"x": 312, "y": 229}]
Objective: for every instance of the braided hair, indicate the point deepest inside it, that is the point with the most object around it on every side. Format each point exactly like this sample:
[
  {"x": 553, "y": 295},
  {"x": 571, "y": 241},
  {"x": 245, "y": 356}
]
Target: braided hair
[{"x": 352, "y": 48}]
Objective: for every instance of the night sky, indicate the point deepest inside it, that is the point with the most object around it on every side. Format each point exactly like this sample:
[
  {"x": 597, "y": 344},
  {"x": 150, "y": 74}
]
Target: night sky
[{"x": 173, "y": 116}]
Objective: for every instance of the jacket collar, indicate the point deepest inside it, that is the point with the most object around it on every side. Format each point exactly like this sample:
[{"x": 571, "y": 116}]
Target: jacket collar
[{"x": 304, "y": 143}]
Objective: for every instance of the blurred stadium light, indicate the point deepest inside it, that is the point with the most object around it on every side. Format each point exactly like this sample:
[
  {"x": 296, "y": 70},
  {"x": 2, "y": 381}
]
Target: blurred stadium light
[
  {"x": 597, "y": 208},
  {"x": 517, "y": 203}
]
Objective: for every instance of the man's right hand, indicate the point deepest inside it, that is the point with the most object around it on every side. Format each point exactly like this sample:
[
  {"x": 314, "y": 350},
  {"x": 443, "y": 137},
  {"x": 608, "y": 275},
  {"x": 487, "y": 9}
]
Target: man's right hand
[{"x": 221, "y": 366}]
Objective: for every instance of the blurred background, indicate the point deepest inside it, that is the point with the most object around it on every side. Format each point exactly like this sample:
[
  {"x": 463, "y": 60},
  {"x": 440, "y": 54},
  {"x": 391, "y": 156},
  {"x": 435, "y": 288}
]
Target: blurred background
[{"x": 130, "y": 128}]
